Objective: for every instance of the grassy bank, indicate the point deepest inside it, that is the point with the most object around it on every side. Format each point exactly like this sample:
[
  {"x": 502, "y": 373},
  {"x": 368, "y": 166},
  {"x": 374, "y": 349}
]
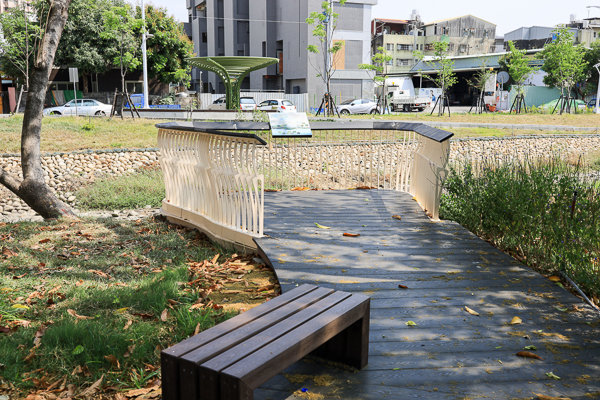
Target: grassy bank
[
  {"x": 81, "y": 133},
  {"x": 98, "y": 299},
  {"x": 546, "y": 214},
  {"x": 71, "y": 133}
]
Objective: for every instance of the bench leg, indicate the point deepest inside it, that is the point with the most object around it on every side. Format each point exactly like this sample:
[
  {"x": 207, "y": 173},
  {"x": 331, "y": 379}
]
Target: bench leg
[{"x": 350, "y": 347}]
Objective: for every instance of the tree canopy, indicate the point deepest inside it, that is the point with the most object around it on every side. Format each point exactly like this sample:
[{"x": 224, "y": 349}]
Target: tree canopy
[
  {"x": 564, "y": 62},
  {"x": 169, "y": 47}
]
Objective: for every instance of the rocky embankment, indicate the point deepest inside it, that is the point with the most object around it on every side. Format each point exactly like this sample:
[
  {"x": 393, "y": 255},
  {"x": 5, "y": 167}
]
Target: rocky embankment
[{"x": 66, "y": 172}]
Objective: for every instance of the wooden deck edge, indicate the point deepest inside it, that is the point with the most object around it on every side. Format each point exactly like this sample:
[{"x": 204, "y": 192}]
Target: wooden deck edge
[{"x": 216, "y": 232}]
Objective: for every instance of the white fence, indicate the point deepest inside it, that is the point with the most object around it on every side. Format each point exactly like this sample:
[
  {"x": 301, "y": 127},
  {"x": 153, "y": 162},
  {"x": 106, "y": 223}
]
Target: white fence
[
  {"x": 216, "y": 173},
  {"x": 299, "y": 100}
]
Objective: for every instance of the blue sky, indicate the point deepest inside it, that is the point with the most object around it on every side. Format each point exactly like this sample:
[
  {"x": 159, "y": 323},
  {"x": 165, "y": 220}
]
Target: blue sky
[{"x": 507, "y": 15}]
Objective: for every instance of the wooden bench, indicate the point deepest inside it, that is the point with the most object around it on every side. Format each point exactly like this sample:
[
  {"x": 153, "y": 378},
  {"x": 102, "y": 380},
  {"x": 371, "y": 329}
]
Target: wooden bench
[{"x": 233, "y": 358}]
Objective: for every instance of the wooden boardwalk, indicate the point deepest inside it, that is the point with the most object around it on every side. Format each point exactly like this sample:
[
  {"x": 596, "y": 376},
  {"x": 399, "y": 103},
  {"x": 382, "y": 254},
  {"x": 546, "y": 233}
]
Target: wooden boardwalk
[{"x": 450, "y": 354}]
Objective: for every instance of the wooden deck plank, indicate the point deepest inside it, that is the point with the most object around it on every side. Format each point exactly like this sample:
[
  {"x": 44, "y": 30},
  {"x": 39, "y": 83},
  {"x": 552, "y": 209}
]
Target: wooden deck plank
[{"x": 445, "y": 267}]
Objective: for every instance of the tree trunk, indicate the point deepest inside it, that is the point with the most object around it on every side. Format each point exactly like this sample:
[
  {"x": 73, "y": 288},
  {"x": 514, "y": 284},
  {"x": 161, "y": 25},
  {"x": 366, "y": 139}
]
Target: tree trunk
[
  {"x": 33, "y": 189},
  {"x": 86, "y": 83}
]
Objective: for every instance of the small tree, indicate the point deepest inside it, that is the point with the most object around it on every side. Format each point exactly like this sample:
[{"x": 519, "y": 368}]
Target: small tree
[
  {"x": 378, "y": 67},
  {"x": 592, "y": 57},
  {"x": 519, "y": 70},
  {"x": 445, "y": 77},
  {"x": 20, "y": 35},
  {"x": 33, "y": 189},
  {"x": 564, "y": 63},
  {"x": 325, "y": 24},
  {"x": 122, "y": 27},
  {"x": 480, "y": 80}
]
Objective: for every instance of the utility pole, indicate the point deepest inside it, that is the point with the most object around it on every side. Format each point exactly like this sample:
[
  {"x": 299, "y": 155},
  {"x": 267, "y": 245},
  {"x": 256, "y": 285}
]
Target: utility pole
[{"x": 144, "y": 35}]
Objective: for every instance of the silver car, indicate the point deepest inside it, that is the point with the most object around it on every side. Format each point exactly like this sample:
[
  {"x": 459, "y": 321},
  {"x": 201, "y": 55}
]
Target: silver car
[
  {"x": 84, "y": 107},
  {"x": 358, "y": 106}
]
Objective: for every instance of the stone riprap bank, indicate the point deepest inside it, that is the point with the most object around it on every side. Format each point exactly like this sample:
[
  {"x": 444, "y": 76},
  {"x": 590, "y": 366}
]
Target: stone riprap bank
[{"x": 65, "y": 172}]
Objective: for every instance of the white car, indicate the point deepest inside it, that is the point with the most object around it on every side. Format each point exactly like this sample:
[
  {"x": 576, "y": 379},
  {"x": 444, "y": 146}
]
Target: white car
[
  {"x": 279, "y": 105},
  {"x": 218, "y": 104},
  {"x": 246, "y": 104},
  {"x": 84, "y": 107}
]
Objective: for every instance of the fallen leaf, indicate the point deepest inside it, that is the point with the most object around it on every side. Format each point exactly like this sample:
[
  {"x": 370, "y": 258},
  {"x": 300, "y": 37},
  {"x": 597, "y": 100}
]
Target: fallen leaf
[
  {"x": 138, "y": 392},
  {"x": 215, "y": 258},
  {"x": 197, "y": 330},
  {"x": 19, "y": 276},
  {"x": 92, "y": 389},
  {"x": 530, "y": 347},
  {"x": 554, "y": 278},
  {"x": 121, "y": 310},
  {"x": 472, "y": 312},
  {"x": 267, "y": 287},
  {"x": 352, "y": 234},
  {"x": 113, "y": 360},
  {"x": 74, "y": 314},
  {"x": 561, "y": 309},
  {"x": 410, "y": 323},
  {"x": 396, "y": 217},
  {"x": 144, "y": 316},
  {"x": 551, "y": 375},
  {"x": 321, "y": 226},
  {"x": 172, "y": 302},
  {"x": 44, "y": 241},
  {"x": 8, "y": 253},
  {"x": 19, "y": 307},
  {"x": 515, "y": 321},
  {"x": 301, "y": 188},
  {"x": 544, "y": 397},
  {"x": 529, "y": 355},
  {"x": 128, "y": 324},
  {"x": 164, "y": 315},
  {"x": 403, "y": 287}
]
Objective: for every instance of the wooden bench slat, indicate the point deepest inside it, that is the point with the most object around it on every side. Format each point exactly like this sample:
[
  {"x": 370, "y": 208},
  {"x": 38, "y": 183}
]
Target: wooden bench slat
[
  {"x": 209, "y": 371},
  {"x": 170, "y": 356},
  {"x": 189, "y": 387},
  {"x": 239, "y": 380}
]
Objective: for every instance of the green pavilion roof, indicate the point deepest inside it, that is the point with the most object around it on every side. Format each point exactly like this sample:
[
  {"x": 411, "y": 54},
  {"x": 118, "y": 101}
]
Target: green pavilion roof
[{"x": 232, "y": 67}]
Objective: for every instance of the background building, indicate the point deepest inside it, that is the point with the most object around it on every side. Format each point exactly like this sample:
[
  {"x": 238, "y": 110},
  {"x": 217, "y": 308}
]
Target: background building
[
  {"x": 6, "y": 4},
  {"x": 466, "y": 35},
  {"x": 277, "y": 28}
]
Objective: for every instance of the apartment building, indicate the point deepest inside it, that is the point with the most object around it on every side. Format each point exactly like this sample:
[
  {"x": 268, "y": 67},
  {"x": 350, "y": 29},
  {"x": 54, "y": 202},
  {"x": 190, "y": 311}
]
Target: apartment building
[
  {"x": 277, "y": 28},
  {"x": 7, "y": 4},
  {"x": 466, "y": 35}
]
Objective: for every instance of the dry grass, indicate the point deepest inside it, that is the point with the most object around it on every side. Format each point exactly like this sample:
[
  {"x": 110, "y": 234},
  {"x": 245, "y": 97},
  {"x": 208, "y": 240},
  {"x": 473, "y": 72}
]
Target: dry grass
[
  {"x": 587, "y": 119},
  {"x": 81, "y": 133}
]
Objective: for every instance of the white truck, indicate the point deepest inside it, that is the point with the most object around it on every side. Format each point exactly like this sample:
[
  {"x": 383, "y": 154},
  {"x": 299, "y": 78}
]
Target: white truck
[{"x": 400, "y": 93}]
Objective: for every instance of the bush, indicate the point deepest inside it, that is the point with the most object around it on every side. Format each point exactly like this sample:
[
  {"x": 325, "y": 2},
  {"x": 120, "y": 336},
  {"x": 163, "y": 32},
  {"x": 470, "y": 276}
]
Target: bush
[{"x": 525, "y": 208}]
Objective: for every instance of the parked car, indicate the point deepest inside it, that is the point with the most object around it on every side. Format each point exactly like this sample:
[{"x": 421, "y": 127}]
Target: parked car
[
  {"x": 246, "y": 104},
  {"x": 592, "y": 103},
  {"x": 358, "y": 106},
  {"x": 279, "y": 105},
  {"x": 552, "y": 104},
  {"x": 84, "y": 107},
  {"x": 218, "y": 104}
]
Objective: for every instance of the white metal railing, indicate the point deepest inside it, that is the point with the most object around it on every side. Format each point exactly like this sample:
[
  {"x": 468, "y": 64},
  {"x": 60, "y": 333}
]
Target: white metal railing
[
  {"x": 212, "y": 182},
  {"x": 216, "y": 180}
]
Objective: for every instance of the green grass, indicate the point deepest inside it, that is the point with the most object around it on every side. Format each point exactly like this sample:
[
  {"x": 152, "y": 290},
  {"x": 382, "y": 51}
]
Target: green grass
[
  {"x": 144, "y": 265},
  {"x": 525, "y": 209},
  {"x": 137, "y": 190}
]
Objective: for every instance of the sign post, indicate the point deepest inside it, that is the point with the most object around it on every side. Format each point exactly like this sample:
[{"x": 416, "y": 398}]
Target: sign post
[{"x": 74, "y": 77}]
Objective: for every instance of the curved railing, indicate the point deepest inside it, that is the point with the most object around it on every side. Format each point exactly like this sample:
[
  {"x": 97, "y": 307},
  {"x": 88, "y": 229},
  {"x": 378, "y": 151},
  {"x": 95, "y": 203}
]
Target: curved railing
[
  {"x": 212, "y": 182},
  {"x": 216, "y": 173}
]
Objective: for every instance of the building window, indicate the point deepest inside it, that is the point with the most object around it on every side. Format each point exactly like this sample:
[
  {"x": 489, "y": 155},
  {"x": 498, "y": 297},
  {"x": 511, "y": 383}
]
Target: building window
[
  {"x": 462, "y": 48},
  {"x": 451, "y": 47},
  {"x": 134, "y": 87},
  {"x": 402, "y": 62},
  {"x": 390, "y": 62},
  {"x": 389, "y": 47},
  {"x": 404, "y": 47}
]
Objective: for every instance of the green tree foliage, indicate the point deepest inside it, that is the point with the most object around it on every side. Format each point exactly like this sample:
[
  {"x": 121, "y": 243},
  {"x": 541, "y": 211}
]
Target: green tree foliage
[
  {"x": 82, "y": 45},
  {"x": 445, "y": 77},
  {"x": 122, "y": 28},
  {"x": 564, "y": 62},
  {"x": 518, "y": 66},
  {"x": 378, "y": 65},
  {"x": 592, "y": 57},
  {"x": 19, "y": 39},
  {"x": 326, "y": 47},
  {"x": 481, "y": 77},
  {"x": 169, "y": 47}
]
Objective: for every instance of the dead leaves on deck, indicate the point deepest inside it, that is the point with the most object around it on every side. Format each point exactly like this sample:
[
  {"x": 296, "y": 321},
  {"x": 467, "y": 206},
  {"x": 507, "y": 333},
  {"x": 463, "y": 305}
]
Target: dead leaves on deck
[
  {"x": 471, "y": 311},
  {"x": 544, "y": 397},
  {"x": 529, "y": 355}
]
